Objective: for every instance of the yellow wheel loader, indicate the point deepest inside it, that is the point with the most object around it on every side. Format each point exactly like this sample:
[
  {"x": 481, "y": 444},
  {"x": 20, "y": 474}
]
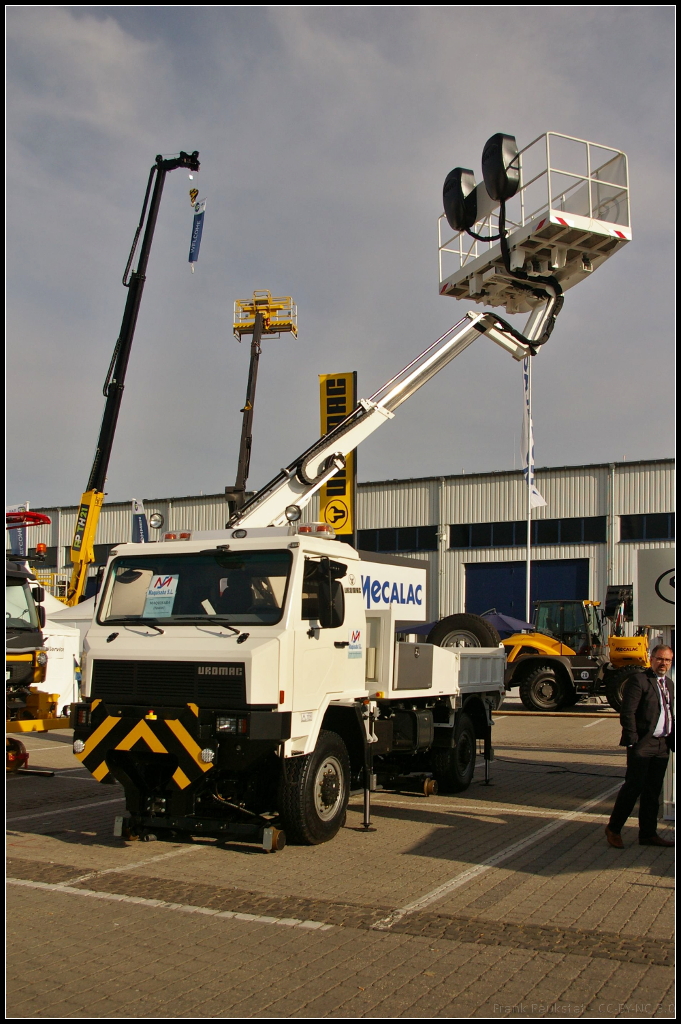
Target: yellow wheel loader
[{"x": 568, "y": 656}]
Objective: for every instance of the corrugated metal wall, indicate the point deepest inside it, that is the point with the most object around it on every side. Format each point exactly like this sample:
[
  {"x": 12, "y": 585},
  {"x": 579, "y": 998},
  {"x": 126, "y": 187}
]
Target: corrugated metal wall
[
  {"x": 570, "y": 491},
  {"x": 398, "y": 503}
]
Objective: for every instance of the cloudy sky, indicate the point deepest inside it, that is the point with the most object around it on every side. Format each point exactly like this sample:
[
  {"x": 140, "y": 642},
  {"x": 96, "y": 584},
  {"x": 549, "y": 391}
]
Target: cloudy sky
[{"x": 325, "y": 133}]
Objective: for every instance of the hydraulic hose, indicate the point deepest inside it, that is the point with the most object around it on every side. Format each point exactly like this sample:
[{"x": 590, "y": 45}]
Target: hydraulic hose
[{"x": 541, "y": 287}]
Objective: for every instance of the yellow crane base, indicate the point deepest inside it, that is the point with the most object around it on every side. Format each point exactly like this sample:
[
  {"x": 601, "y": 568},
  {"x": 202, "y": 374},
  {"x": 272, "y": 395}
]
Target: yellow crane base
[{"x": 37, "y": 724}]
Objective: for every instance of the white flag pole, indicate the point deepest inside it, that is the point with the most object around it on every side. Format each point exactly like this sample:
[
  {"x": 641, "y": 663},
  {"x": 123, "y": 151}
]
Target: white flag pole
[{"x": 530, "y": 454}]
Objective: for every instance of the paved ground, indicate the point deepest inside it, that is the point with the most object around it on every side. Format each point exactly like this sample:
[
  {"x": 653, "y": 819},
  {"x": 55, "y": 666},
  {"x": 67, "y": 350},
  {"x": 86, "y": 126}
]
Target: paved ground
[{"x": 504, "y": 901}]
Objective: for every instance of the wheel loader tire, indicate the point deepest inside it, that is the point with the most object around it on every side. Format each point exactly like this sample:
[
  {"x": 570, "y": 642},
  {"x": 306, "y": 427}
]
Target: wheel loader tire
[
  {"x": 464, "y": 630},
  {"x": 542, "y": 690},
  {"x": 454, "y": 768},
  {"x": 314, "y": 792},
  {"x": 571, "y": 697},
  {"x": 614, "y": 685}
]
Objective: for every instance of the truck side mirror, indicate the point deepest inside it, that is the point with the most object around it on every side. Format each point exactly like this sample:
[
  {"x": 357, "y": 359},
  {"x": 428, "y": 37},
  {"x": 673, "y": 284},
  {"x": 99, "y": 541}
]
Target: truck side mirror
[
  {"x": 38, "y": 594},
  {"x": 41, "y": 615}
]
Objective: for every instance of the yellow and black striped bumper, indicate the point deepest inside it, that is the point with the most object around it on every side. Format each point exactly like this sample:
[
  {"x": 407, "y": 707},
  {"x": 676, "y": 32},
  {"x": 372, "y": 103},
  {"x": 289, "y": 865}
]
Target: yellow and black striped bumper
[{"x": 155, "y": 733}]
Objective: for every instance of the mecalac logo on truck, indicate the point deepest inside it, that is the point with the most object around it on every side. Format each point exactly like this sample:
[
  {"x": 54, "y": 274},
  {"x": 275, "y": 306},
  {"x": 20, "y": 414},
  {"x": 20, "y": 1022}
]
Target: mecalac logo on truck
[{"x": 381, "y": 592}]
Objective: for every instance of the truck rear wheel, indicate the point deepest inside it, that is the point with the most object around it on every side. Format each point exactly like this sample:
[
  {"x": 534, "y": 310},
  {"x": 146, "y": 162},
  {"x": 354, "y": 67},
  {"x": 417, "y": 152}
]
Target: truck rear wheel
[
  {"x": 542, "y": 690},
  {"x": 464, "y": 631},
  {"x": 454, "y": 768},
  {"x": 314, "y": 792},
  {"x": 614, "y": 685}
]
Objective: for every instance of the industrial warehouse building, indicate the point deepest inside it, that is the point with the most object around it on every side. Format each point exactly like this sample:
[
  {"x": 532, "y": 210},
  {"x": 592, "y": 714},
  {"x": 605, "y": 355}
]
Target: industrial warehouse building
[{"x": 471, "y": 529}]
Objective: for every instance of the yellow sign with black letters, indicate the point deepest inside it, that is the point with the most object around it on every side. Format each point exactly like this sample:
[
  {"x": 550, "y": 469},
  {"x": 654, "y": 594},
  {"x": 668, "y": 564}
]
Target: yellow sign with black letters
[{"x": 338, "y": 397}]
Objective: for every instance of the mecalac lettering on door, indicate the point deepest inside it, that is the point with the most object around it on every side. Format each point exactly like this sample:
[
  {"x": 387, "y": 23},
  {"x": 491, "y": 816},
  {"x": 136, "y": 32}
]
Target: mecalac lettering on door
[{"x": 386, "y": 585}]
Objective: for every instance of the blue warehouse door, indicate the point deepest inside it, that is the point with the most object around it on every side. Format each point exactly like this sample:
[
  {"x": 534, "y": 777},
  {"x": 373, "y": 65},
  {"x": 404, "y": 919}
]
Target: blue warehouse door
[{"x": 501, "y": 585}]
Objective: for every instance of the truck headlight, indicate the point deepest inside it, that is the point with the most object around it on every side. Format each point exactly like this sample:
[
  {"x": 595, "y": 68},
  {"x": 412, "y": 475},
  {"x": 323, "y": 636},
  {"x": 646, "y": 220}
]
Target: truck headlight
[
  {"x": 78, "y": 746},
  {"x": 231, "y": 725},
  {"x": 41, "y": 658},
  {"x": 207, "y": 755}
]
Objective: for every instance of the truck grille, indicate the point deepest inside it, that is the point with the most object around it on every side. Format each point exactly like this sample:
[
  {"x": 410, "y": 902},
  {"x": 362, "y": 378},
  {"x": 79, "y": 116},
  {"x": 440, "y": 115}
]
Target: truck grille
[{"x": 171, "y": 683}]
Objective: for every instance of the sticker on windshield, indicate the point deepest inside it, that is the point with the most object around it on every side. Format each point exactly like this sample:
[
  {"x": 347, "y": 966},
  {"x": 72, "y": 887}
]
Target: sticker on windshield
[{"x": 160, "y": 596}]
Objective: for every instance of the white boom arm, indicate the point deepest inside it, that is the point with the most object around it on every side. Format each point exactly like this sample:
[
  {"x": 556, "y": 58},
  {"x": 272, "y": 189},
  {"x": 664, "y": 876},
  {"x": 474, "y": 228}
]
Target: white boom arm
[{"x": 292, "y": 489}]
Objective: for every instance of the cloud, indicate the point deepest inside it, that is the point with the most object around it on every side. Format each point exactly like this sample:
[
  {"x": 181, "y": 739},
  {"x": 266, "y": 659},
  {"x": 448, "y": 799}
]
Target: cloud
[{"x": 325, "y": 134}]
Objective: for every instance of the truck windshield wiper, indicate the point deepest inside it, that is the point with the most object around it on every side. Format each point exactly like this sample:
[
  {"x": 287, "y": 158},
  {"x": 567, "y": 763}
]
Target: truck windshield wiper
[
  {"x": 135, "y": 620},
  {"x": 210, "y": 620}
]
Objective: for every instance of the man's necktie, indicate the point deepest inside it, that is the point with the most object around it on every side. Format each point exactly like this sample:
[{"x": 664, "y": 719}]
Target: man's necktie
[{"x": 665, "y": 704}]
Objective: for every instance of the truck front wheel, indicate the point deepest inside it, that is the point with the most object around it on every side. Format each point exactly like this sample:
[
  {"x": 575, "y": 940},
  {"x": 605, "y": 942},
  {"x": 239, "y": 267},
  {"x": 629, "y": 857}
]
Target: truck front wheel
[
  {"x": 314, "y": 792},
  {"x": 542, "y": 690},
  {"x": 454, "y": 768}
]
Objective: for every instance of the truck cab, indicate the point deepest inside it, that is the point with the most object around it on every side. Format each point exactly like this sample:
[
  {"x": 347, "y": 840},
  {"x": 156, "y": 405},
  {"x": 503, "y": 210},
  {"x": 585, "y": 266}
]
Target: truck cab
[
  {"x": 575, "y": 623},
  {"x": 244, "y": 681},
  {"x": 26, "y": 658}
]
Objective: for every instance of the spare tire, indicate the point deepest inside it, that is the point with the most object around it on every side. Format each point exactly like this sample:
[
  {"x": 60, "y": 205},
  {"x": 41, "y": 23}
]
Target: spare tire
[{"x": 464, "y": 630}]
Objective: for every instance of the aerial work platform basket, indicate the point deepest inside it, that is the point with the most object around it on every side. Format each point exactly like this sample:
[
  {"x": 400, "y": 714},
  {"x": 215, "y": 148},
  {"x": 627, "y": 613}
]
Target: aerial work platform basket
[
  {"x": 568, "y": 216},
  {"x": 279, "y": 314}
]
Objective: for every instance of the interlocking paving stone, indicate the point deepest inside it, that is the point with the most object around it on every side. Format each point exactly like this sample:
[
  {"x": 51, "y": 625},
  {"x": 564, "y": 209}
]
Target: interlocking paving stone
[
  {"x": 568, "y": 928},
  {"x": 38, "y": 871},
  {"x": 456, "y": 928}
]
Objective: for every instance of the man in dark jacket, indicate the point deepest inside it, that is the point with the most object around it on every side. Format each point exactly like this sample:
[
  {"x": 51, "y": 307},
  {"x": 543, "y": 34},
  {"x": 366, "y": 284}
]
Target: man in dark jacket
[{"x": 647, "y": 719}]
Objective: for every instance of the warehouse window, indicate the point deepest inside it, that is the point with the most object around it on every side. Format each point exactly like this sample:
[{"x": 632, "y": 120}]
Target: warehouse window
[
  {"x": 546, "y": 531},
  {"x": 651, "y": 526},
  {"x": 585, "y": 530},
  {"x": 398, "y": 538}
]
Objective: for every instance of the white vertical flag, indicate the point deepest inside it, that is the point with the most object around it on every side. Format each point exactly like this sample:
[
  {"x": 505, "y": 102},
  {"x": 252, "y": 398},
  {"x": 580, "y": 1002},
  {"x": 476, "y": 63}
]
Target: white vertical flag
[{"x": 527, "y": 441}]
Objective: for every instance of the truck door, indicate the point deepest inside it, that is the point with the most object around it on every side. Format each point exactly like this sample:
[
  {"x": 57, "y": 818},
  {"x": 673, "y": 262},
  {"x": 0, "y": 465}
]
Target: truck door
[{"x": 321, "y": 651}]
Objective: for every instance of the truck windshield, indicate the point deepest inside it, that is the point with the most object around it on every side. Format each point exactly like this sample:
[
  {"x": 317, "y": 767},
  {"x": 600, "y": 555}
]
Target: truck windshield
[
  {"x": 20, "y": 610},
  {"x": 247, "y": 588}
]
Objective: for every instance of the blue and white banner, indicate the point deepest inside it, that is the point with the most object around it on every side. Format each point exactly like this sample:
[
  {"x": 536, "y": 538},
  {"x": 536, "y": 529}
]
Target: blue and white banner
[
  {"x": 527, "y": 441},
  {"x": 197, "y": 231},
  {"x": 140, "y": 527},
  {"x": 17, "y": 537}
]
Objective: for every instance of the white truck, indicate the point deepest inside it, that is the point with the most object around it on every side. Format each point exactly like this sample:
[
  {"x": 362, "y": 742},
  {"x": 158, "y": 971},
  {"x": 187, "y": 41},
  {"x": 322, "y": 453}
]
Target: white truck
[{"x": 243, "y": 683}]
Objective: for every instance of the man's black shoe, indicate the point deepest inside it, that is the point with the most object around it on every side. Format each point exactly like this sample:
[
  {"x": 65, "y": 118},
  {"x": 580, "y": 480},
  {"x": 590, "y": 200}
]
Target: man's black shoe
[
  {"x": 656, "y": 841},
  {"x": 614, "y": 838}
]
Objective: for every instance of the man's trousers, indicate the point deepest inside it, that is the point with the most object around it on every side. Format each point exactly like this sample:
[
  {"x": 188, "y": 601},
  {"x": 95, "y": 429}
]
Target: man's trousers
[{"x": 642, "y": 782}]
